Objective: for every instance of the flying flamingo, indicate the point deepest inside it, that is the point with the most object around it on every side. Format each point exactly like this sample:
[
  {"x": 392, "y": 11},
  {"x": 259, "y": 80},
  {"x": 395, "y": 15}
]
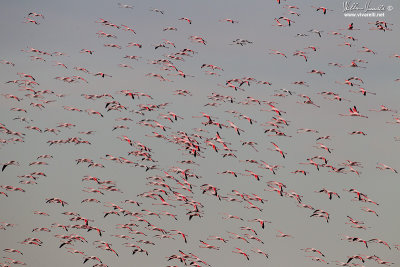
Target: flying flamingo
[
  {"x": 354, "y": 113},
  {"x": 278, "y": 149},
  {"x": 382, "y": 166},
  {"x": 239, "y": 251}
]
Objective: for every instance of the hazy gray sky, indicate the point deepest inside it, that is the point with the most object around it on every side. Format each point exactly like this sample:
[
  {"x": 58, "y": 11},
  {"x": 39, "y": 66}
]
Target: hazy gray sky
[{"x": 73, "y": 26}]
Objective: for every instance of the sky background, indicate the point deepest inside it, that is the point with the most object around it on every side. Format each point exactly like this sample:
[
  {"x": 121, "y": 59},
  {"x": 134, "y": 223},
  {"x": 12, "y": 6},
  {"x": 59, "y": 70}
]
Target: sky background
[{"x": 69, "y": 27}]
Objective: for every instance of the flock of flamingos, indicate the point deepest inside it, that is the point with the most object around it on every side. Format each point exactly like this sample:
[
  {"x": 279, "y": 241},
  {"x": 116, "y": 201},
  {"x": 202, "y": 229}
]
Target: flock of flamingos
[{"x": 200, "y": 166}]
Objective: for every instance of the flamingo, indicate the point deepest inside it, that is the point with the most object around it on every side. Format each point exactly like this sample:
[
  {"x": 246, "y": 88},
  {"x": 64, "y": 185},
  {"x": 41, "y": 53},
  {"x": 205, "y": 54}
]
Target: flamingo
[
  {"x": 206, "y": 245},
  {"x": 328, "y": 192},
  {"x": 278, "y": 149},
  {"x": 91, "y": 258},
  {"x": 382, "y": 166},
  {"x": 12, "y": 250},
  {"x": 186, "y": 19},
  {"x": 258, "y": 251},
  {"x": 11, "y": 162},
  {"x": 281, "y": 234},
  {"x": 276, "y": 52},
  {"x": 376, "y": 240},
  {"x": 354, "y": 113},
  {"x": 239, "y": 251},
  {"x": 323, "y": 9},
  {"x": 124, "y": 6},
  {"x": 313, "y": 250},
  {"x": 229, "y": 21}
]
